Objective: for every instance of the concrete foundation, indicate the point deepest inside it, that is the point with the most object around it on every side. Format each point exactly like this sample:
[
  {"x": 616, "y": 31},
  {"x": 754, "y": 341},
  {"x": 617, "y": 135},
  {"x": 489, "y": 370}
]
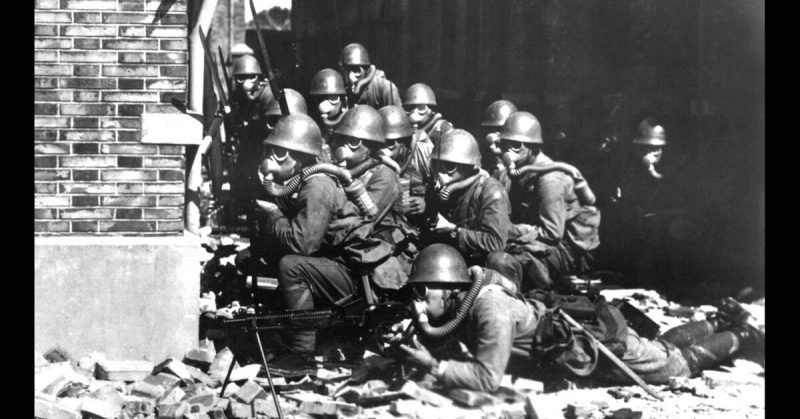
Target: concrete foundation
[{"x": 128, "y": 297}]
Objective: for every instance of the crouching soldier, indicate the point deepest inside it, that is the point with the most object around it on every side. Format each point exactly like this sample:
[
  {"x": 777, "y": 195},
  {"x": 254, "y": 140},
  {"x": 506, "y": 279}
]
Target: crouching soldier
[
  {"x": 485, "y": 310},
  {"x": 465, "y": 207},
  {"x": 418, "y": 102}
]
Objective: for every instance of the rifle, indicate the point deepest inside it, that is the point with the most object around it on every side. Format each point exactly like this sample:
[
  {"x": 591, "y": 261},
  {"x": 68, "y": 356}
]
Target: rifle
[
  {"x": 224, "y": 70},
  {"x": 274, "y": 77}
]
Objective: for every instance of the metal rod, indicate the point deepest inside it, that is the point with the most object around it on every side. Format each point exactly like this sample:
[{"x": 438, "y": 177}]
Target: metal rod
[
  {"x": 269, "y": 375},
  {"x": 227, "y": 377}
]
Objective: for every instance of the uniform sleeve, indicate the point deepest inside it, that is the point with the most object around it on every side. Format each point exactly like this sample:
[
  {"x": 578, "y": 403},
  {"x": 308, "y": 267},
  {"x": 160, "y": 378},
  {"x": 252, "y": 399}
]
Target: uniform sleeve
[
  {"x": 494, "y": 336},
  {"x": 390, "y": 95},
  {"x": 304, "y": 233},
  {"x": 490, "y": 233},
  {"x": 552, "y": 190},
  {"x": 383, "y": 188}
]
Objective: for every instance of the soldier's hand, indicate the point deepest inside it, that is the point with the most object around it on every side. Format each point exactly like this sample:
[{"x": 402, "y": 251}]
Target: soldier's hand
[
  {"x": 419, "y": 354},
  {"x": 443, "y": 225},
  {"x": 416, "y": 205},
  {"x": 266, "y": 206}
]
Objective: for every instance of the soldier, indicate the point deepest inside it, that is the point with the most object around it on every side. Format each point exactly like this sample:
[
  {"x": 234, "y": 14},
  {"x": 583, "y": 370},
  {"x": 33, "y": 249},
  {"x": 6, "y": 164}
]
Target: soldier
[
  {"x": 556, "y": 226},
  {"x": 303, "y": 230},
  {"x": 493, "y": 119},
  {"x": 417, "y": 102},
  {"x": 413, "y": 153},
  {"x": 497, "y": 324},
  {"x": 366, "y": 84},
  {"x": 466, "y": 207},
  {"x": 329, "y": 97}
]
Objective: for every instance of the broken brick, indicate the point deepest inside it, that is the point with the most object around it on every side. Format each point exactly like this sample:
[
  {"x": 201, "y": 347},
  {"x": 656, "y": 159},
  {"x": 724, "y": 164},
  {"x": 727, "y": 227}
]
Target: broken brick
[
  {"x": 48, "y": 409},
  {"x": 128, "y": 371},
  {"x": 167, "y": 381},
  {"x": 216, "y": 413},
  {"x": 206, "y": 401},
  {"x": 528, "y": 386},
  {"x": 265, "y": 407},
  {"x": 174, "y": 367},
  {"x": 625, "y": 413},
  {"x": 249, "y": 392},
  {"x": 580, "y": 410},
  {"x": 38, "y": 360},
  {"x": 172, "y": 411},
  {"x": 472, "y": 398},
  {"x": 138, "y": 406},
  {"x": 220, "y": 365},
  {"x": 204, "y": 354},
  {"x": 50, "y": 374},
  {"x": 716, "y": 379},
  {"x": 240, "y": 410},
  {"x": 230, "y": 390},
  {"x": 57, "y": 354},
  {"x": 247, "y": 372},
  {"x": 100, "y": 408},
  {"x": 541, "y": 408},
  {"x": 513, "y": 411},
  {"x": 200, "y": 377},
  {"x": 173, "y": 396},
  {"x": 412, "y": 390},
  {"x": 148, "y": 390}
]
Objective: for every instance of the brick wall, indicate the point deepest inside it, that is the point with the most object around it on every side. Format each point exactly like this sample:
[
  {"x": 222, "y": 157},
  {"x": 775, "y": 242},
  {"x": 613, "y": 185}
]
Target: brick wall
[{"x": 99, "y": 64}]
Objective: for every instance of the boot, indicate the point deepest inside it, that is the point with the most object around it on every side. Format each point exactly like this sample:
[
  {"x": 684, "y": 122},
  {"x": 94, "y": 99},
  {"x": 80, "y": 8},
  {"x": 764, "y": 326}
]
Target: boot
[
  {"x": 689, "y": 333},
  {"x": 711, "y": 351},
  {"x": 751, "y": 338}
]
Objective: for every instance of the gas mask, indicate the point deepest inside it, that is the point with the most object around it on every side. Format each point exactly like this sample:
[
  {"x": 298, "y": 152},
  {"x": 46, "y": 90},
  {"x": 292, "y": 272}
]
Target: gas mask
[
  {"x": 355, "y": 73},
  {"x": 649, "y": 156},
  {"x": 246, "y": 85},
  {"x": 348, "y": 151},
  {"x": 398, "y": 150},
  {"x": 447, "y": 173},
  {"x": 491, "y": 143},
  {"x": 278, "y": 165},
  {"x": 419, "y": 114},
  {"x": 330, "y": 106},
  {"x": 514, "y": 152}
]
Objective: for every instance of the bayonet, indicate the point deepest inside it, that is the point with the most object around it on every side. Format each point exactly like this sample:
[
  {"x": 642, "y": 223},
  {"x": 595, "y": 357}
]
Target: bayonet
[{"x": 272, "y": 76}]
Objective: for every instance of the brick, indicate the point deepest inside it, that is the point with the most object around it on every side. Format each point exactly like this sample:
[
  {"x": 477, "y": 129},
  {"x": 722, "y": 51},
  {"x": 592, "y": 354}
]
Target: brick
[
  {"x": 132, "y": 31},
  {"x": 128, "y": 370},
  {"x": 45, "y": 108},
  {"x": 153, "y": 5},
  {"x": 50, "y": 122},
  {"x": 84, "y": 226},
  {"x": 166, "y": 57},
  {"x": 85, "y": 148},
  {"x": 127, "y": 226},
  {"x": 163, "y": 213},
  {"x": 129, "y": 18},
  {"x": 88, "y": 17},
  {"x": 129, "y": 161},
  {"x": 46, "y": 4},
  {"x": 44, "y": 56},
  {"x": 44, "y": 82},
  {"x": 85, "y": 201},
  {"x": 128, "y": 149},
  {"x": 130, "y": 70},
  {"x": 86, "y": 43},
  {"x": 49, "y": 188},
  {"x": 173, "y": 396},
  {"x": 42, "y": 161},
  {"x": 85, "y": 175},
  {"x": 51, "y": 227},
  {"x": 146, "y": 389},
  {"x": 45, "y": 30},
  {"x": 88, "y": 56},
  {"x": 167, "y": 32},
  {"x": 171, "y": 175},
  {"x": 47, "y": 214},
  {"x": 86, "y": 83},
  {"x": 176, "y": 162},
  {"x": 129, "y": 188},
  {"x": 48, "y": 409},
  {"x": 54, "y": 175},
  {"x": 130, "y": 5},
  {"x": 121, "y": 123},
  {"x": 174, "y": 367},
  {"x": 45, "y": 135},
  {"x": 84, "y": 122},
  {"x": 100, "y": 408},
  {"x": 86, "y": 96},
  {"x": 87, "y": 30},
  {"x": 539, "y": 407},
  {"x": 166, "y": 84},
  {"x": 160, "y": 108},
  {"x": 130, "y": 97},
  {"x": 129, "y": 214},
  {"x": 87, "y": 136},
  {"x": 173, "y": 411},
  {"x": 240, "y": 410},
  {"x": 86, "y": 109},
  {"x": 130, "y": 84},
  {"x": 412, "y": 390},
  {"x": 52, "y": 43},
  {"x": 130, "y": 44},
  {"x": 50, "y": 148},
  {"x": 174, "y": 19},
  {"x": 52, "y": 17},
  {"x": 169, "y": 201},
  {"x": 131, "y": 57},
  {"x": 164, "y": 188},
  {"x": 87, "y": 188},
  {"x": 82, "y": 213},
  {"x": 89, "y": 4},
  {"x": 170, "y": 149},
  {"x": 266, "y": 407},
  {"x": 174, "y": 70},
  {"x": 129, "y": 110},
  {"x": 52, "y": 95},
  {"x": 129, "y": 201},
  {"x": 173, "y": 44},
  {"x": 168, "y": 97},
  {"x": 129, "y": 136},
  {"x": 87, "y": 70},
  {"x": 85, "y": 161},
  {"x": 127, "y": 175}
]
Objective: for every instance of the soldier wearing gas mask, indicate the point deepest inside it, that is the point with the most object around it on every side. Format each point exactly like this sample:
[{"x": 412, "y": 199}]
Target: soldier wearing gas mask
[
  {"x": 328, "y": 96},
  {"x": 493, "y": 119},
  {"x": 465, "y": 207},
  {"x": 413, "y": 153},
  {"x": 418, "y": 102},
  {"x": 366, "y": 85},
  {"x": 555, "y": 224}
]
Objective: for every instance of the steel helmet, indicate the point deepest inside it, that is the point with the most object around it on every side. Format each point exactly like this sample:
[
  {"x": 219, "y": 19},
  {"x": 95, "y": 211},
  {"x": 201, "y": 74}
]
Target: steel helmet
[
  {"x": 246, "y": 64},
  {"x": 355, "y": 54},
  {"x": 294, "y": 100},
  {"x": 651, "y": 133},
  {"x": 497, "y": 113},
  {"x": 457, "y": 146},
  {"x": 439, "y": 263},
  {"x": 362, "y": 122},
  {"x": 419, "y": 94},
  {"x": 327, "y": 82},
  {"x": 297, "y": 132},
  {"x": 241, "y": 49},
  {"x": 523, "y": 127},
  {"x": 396, "y": 123}
]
